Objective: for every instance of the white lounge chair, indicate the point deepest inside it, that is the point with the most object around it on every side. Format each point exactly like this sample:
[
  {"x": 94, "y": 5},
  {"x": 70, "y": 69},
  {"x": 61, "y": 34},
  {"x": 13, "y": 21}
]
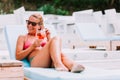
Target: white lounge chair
[
  {"x": 19, "y": 14},
  {"x": 113, "y": 20},
  {"x": 83, "y": 16},
  {"x": 5, "y": 19},
  {"x": 11, "y": 34},
  {"x": 92, "y": 34}
]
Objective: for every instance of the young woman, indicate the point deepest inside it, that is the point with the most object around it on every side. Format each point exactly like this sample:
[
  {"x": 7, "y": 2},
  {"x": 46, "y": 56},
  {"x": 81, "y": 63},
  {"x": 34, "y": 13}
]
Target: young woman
[{"x": 43, "y": 51}]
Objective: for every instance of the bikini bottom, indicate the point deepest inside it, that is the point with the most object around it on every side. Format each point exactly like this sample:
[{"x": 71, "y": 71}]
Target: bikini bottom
[{"x": 31, "y": 59}]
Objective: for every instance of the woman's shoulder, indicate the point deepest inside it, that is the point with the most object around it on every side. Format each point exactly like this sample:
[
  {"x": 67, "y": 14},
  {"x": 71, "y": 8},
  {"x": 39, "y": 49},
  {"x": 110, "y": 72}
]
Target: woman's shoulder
[{"x": 21, "y": 36}]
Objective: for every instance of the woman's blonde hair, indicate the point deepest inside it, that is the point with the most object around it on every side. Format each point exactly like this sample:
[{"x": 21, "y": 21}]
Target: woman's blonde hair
[{"x": 39, "y": 17}]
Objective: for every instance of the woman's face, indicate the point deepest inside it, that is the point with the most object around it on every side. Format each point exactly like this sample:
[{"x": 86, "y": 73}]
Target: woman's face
[{"x": 32, "y": 25}]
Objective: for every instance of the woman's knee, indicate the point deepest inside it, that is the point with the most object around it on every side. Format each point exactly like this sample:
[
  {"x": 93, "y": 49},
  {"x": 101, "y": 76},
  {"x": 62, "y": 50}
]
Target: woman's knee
[
  {"x": 56, "y": 38},
  {"x": 55, "y": 41}
]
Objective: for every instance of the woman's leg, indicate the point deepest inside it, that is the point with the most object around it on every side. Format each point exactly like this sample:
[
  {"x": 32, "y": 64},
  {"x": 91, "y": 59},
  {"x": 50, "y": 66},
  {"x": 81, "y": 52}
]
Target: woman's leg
[
  {"x": 67, "y": 61},
  {"x": 60, "y": 60},
  {"x": 71, "y": 65},
  {"x": 55, "y": 50},
  {"x": 64, "y": 59},
  {"x": 52, "y": 50},
  {"x": 42, "y": 58}
]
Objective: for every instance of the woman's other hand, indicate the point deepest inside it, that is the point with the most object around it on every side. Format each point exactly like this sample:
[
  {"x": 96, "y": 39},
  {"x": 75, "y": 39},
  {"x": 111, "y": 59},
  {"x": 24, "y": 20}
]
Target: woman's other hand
[{"x": 48, "y": 34}]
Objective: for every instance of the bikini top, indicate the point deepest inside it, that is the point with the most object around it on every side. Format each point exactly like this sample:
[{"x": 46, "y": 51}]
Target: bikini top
[{"x": 28, "y": 43}]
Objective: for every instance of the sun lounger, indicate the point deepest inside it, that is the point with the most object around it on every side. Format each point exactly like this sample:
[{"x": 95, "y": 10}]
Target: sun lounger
[
  {"x": 92, "y": 34},
  {"x": 11, "y": 34},
  {"x": 113, "y": 19}
]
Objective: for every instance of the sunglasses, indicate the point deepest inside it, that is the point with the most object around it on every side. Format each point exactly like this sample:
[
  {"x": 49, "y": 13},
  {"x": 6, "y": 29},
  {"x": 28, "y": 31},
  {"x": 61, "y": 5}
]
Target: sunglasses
[{"x": 32, "y": 23}]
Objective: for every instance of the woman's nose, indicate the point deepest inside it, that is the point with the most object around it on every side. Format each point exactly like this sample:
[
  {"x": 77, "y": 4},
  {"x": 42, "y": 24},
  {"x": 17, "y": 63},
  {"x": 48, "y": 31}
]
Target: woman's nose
[{"x": 30, "y": 26}]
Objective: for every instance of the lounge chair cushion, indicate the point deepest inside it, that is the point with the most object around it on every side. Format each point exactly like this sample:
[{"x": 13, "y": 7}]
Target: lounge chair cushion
[
  {"x": 11, "y": 38},
  {"x": 89, "y": 74}
]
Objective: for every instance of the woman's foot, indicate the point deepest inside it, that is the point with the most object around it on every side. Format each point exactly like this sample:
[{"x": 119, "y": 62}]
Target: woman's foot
[
  {"x": 77, "y": 68},
  {"x": 61, "y": 68}
]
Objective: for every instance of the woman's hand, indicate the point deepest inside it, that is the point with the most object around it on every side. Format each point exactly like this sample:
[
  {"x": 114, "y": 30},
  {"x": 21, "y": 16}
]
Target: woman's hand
[
  {"x": 37, "y": 42},
  {"x": 48, "y": 34}
]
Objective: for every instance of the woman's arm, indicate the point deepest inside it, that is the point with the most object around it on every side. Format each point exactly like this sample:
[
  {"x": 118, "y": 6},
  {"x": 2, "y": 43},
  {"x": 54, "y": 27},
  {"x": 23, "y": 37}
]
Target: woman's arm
[{"x": 20, "y": 53}]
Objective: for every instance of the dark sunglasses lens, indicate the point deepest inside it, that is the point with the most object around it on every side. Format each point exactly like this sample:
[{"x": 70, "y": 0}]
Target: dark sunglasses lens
[
  {"x": 28, "y": 23},
  {"x": 32, "y": 23}
]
